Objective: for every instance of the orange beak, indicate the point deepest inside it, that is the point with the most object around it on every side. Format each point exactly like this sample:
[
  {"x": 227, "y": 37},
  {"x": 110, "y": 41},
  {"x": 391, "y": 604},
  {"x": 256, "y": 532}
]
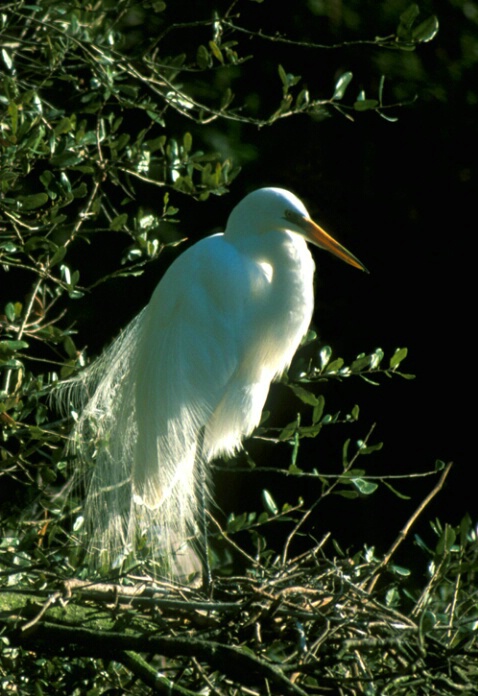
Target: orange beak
[{"x": 315, "y": 234}]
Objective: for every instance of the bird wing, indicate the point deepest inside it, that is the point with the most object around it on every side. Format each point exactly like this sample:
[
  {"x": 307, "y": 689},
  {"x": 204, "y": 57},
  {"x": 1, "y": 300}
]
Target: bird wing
[{"x": 194, "y": 345}]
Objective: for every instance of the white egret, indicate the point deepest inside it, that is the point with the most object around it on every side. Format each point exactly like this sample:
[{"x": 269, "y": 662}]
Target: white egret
[{"x": 187, "y": 380}]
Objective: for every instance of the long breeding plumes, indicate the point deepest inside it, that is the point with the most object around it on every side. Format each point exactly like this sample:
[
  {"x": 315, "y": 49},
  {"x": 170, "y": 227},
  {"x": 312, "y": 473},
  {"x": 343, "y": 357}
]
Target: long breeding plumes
[{"x": 188, "y": 378}]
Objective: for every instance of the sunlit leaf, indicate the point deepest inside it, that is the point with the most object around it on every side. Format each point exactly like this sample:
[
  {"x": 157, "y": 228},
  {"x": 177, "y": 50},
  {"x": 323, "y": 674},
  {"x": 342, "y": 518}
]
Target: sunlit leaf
[
  {"x": 399, "y": 355},
  {"x": 7, "y": 59},
  {"x": 426, "y": 30},
  {"x": 387, "y": 117},
  {"x": 392, "y": 597},
  {"x": 334, "y": 366},
  {"x": 341, "y": 85},
  {"x": 368, "y": 449},
  {"x": 216, "y": 51},
  {"x": 365, "y": 487},
  {"x": 269, "y": 503},
  {"x": 325, "y": 353},
  {"x": 399, "y": 570}
]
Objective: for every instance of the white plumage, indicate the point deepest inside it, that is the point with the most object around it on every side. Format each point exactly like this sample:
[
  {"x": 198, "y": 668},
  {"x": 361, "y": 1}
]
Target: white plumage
[{"x": 187, "y": 380}]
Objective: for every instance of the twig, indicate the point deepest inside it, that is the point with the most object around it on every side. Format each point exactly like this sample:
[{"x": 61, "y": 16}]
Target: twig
[
  {"x": 159, "y": 683},
  {"x": 403, "y": 534},
  {"x": 326, "y": 493},
  {"x": 51, "y": 600}
]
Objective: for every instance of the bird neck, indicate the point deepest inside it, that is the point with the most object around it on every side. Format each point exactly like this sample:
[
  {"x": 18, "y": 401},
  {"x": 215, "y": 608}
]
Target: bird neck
[{"x": 285, "y": 263}]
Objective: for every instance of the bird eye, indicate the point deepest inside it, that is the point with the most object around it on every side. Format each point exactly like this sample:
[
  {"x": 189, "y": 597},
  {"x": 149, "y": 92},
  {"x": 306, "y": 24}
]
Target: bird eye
[{"x": 291, "y": 216}]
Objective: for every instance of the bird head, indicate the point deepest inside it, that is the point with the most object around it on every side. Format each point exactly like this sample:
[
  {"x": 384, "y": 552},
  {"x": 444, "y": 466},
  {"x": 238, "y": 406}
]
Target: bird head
[{"x": 275, "y": 209}]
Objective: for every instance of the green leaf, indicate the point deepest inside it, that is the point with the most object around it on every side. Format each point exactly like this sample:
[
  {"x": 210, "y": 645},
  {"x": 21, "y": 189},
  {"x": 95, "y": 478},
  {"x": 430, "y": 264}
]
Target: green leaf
[
  {"x": 377, "y": 357},
  {"x": 288, "y": 431},
  {"x": 9, "y": 247},
  {"x": 118, "y": 222},
  {"x": 386, "y": 117},
  {"x": 426, "y": 30},
  {"x": 216, "y": 51},
  {"x": 392, "y": 597},
  {"x": 380, "y": 88},
  {"x": 58, "y": 256},
  {"x": 368, "y": 449},
  {"x": 295, "y": 470},
  {"x": 325, "y": 354},
  {"x": 318, "y": 409},
  {"x": 466, "y": 525},
  {"x": 203, "y": 57},
  {"x": 80, "y": 191},
  {"x": 365, "y": 487},
  {"x": 347, "y": 476},
  {"x": 369, "y": 381},
  {"x": 341, "y": 85},
  {"x": 64, "y": 126},
  {"x": 9, "y": 347},
  {"x": 11, "y": 312},
  {"x": 365, "y": 104},
  {"x": 187, "y": 142},
  {"x": 11, "y": 363},
  {"x": 6, "y": 59},
  {"x": 70, "y": 348},
  {"x": 407, "y": 19},
  {"x": 304, "y": 395},
  {"x": 362, "y": 362},
  {"x": 66, "y": 159},
  {"x": 310, "y": 430},
  {"x": 269, "y": 503},
  {"x": 446, "y": 541},
  {"x": 226, "y": 98},
  {"x": 35, "y": 200},
  {"x": 302, "y": 99},
  {"x": 283, "y": 76},
  {"x": 13, "y": 111},
  {"x": 402, "y": 496},
  {"x": 399, "y": 355},
  {"x": 288, "y": 80},
  {"x": 351, "y": 495},
  {"x": 399, "y": 570},
  {"x": 334, "y": 366},
  {"x": 345, "y": 450}
]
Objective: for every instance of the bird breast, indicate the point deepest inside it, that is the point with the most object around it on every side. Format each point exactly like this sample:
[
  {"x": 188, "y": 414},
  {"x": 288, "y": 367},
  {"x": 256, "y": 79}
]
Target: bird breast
[{"x": 225, "y": 320}]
